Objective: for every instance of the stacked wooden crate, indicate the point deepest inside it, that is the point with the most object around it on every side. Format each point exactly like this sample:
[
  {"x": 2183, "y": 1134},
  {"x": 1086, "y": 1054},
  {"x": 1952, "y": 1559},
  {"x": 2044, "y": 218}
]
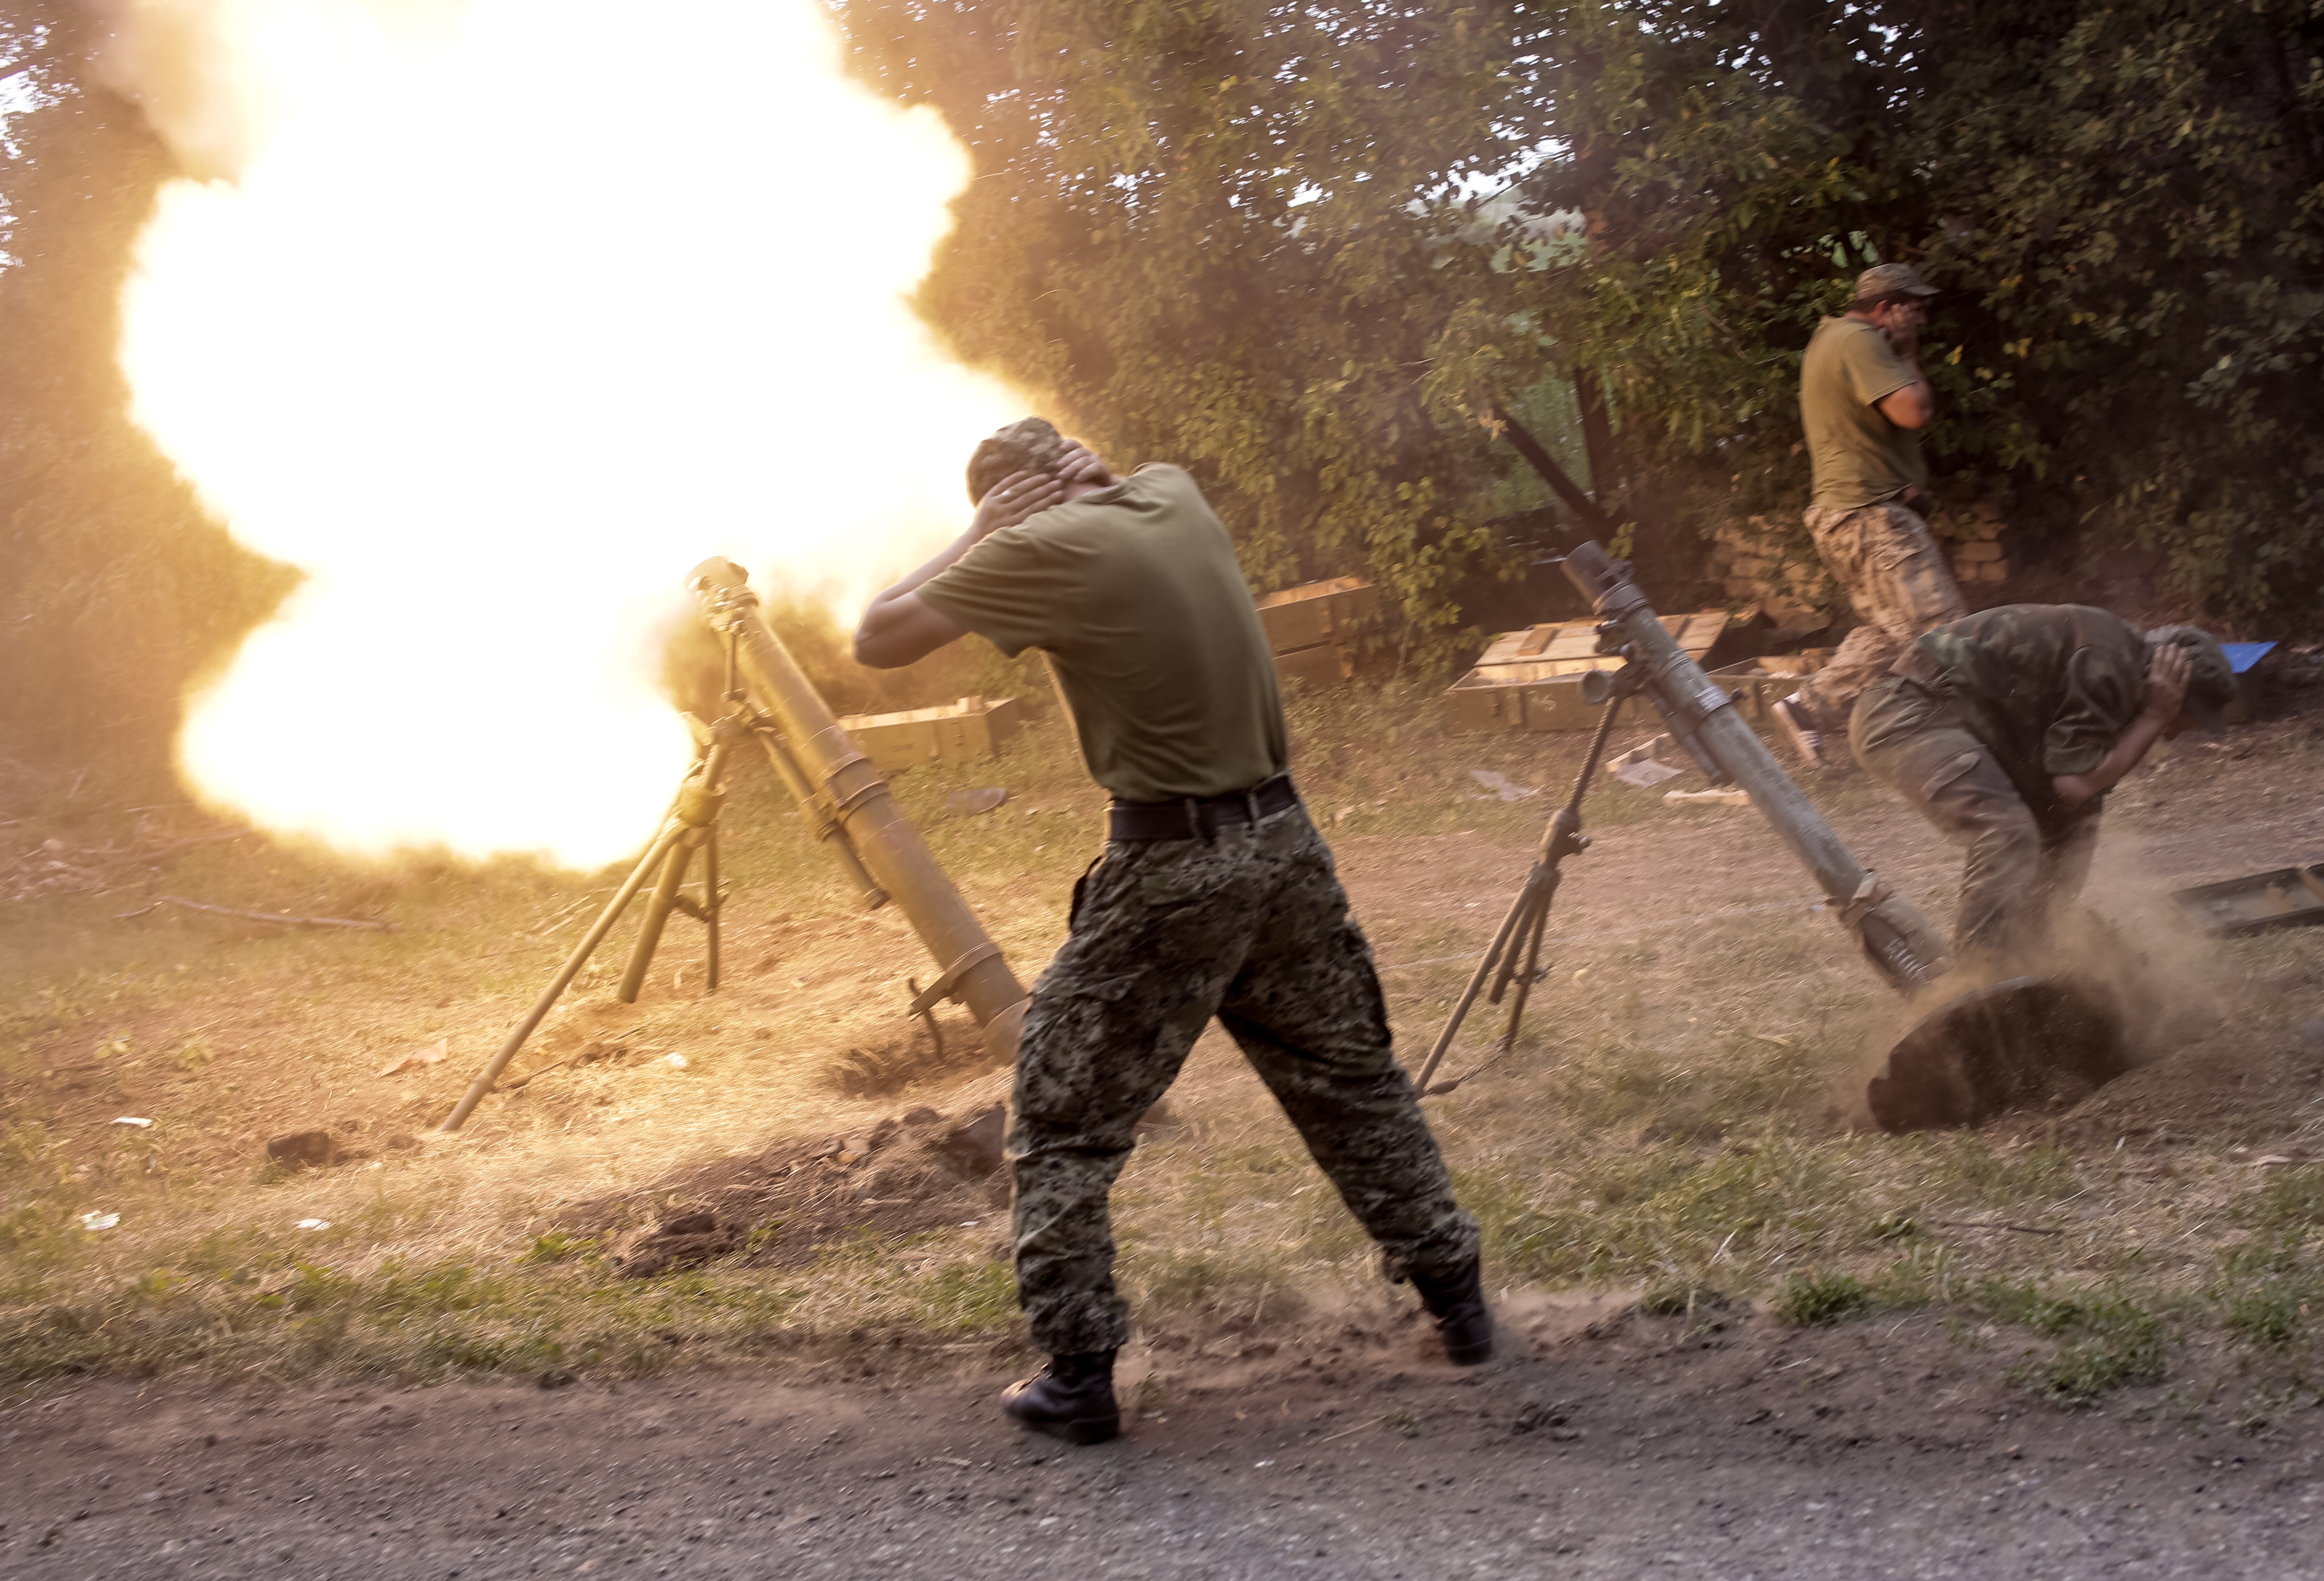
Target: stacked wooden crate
[
  {"x": 1531, "y": 680},
  {"x": 1757, "y": 683},
  {"x": 1311, "y": 630},
  {"x": 956, "y": 733}
]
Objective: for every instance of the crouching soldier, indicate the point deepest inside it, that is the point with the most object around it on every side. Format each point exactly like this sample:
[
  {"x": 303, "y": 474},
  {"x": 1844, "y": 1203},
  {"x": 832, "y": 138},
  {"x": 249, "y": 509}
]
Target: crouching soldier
[
  {"x": 2007, "y": 729},
  {"x": 1215, "y": 897}
]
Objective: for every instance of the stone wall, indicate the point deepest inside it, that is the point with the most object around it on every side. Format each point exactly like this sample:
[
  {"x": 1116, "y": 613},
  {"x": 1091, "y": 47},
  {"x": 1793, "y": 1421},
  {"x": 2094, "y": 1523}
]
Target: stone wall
[
  {"x": 1971, "y": 535},
  {"x": 1769, "y": 566}
]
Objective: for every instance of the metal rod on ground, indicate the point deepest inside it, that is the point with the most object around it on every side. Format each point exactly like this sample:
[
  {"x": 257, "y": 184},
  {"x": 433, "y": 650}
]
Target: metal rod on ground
[
  {"x": 672, "y": 831},
  {"x": 971, "y": 967},
  {"x": 1897, "y": 938}
]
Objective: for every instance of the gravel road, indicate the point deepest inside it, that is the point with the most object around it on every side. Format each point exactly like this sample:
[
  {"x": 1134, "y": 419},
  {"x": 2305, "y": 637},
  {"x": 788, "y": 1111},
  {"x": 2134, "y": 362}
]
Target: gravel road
[{"x": 1612, "y": 1444}]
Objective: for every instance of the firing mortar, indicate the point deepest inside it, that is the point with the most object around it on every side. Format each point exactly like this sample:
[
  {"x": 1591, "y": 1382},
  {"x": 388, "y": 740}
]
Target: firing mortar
[
  {"x": 879, "y": 842},
  {"x": 1701, "y": 716},
  {"x": 1975, "y": 1053},
  {"x": 847, "y": 805}
]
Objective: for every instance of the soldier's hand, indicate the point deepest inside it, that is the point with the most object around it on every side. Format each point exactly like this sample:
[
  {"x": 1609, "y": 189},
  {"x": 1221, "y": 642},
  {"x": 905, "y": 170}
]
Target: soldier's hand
[
  {"x": 1080, "y": 465},
  {"x": 1014, "y": 498},
  {"x": 1902, "y": 329},
  {"x": 2166, "y": 682}
]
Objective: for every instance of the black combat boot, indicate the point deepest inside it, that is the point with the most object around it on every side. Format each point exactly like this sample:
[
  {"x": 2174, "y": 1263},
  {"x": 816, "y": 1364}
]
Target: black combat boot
[
  {"x": 1071, "y": 1399},
  {"x": 1457, "y": 1302}
]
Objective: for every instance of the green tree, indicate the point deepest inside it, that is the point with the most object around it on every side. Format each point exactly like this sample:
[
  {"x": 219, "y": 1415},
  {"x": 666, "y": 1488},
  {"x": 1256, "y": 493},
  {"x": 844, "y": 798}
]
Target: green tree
[
  {"x": 1248, "y": 236},
  {"x": 2122, "y": 201},
  {"x": 1221, "y": 234}
]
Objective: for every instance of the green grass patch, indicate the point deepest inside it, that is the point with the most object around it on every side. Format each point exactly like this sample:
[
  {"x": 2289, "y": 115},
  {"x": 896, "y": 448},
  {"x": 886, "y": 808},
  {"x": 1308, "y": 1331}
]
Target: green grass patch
[
  {"x": 2291, "y": 1204},
  {"x": 2270, "y": 1317},
  {"x": 1809, "y": 1300},
  {"x": 2107, "y": 1341},
  {"x": 1667, "y": 1121}
]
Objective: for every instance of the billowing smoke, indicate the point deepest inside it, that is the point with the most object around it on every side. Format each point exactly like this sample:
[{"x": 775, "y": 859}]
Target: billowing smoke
[{"x": 494, "y": 317}]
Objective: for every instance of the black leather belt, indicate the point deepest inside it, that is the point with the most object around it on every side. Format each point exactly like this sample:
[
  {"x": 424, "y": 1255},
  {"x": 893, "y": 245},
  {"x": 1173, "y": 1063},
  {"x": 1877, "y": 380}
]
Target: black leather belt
[{"x": 1199, "y": 817}]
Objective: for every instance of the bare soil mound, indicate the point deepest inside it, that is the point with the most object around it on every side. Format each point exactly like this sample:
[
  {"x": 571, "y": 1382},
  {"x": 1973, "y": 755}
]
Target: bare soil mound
[{"x": 779, "y": 1208}]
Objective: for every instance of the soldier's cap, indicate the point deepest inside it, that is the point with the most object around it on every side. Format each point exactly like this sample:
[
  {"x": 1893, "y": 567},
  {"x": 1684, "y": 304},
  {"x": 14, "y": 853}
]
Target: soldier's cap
[
  {"x": 1890, "y": 279},
  {"x": 2210, "y": 678},
  {"x": 1026, "y": 445}
]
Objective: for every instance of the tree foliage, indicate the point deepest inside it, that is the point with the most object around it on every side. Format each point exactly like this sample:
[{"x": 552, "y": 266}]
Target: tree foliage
[
  {"x": 1247, "y": 234},
  {"x": 1195, "y": 227},
  {"x": 1301, "y": 248}
]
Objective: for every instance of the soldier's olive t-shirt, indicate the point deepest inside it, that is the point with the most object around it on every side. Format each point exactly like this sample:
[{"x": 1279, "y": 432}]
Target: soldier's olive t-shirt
[
  {"x": 2047, "y": 688},
  {"x": 1134, "y": 593},
  {"x": 1859, "y": 457}
]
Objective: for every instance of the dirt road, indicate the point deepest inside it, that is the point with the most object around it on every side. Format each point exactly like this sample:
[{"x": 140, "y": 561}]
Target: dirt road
[{"x": 1632, "y": 1446}]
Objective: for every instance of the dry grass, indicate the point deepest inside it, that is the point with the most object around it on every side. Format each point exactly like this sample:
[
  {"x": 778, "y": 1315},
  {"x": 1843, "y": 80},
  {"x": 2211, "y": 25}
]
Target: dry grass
[{"x": 1673, "y": 1117}]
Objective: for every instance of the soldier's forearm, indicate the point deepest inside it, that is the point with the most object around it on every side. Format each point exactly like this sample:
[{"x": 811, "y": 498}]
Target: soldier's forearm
[
  {"x": 2078, "y": 790},
  {"x": 941, "y": 561},
  {"x": 1914, "y": 404}
]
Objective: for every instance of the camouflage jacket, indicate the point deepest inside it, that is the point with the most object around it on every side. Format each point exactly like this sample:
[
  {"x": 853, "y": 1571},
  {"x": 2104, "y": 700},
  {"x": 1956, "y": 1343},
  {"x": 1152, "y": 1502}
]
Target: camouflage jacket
[{"x": 2047, "y": 688}]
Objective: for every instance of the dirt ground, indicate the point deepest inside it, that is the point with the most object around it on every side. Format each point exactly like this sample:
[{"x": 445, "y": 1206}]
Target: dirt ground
[
  {"x": 213, "y": 1387},
  {"x": 1610, "y": 1444}
]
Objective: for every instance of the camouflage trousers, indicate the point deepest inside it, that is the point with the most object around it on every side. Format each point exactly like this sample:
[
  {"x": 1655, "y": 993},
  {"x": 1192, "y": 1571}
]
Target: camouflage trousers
[
  {"x": 1897, "y": 576},
  {"x": 1250, "y": 925},
  {"x": 2018, "y": 871}
]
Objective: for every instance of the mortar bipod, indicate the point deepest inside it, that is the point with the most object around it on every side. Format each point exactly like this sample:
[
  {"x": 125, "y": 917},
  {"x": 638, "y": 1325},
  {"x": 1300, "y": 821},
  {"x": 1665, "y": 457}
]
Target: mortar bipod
[
  {"x": 691, "y": 823},
  {"x": 699, "y": 798},
  {"x": 1518, "y": 938}
]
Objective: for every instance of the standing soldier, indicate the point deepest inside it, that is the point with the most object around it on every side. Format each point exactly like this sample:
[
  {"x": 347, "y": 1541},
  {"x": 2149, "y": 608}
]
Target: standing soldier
[
  {"x": 2007, "y": 729},
  {"x": 1215, "y": 897},
  {"x": 1863, "y": 400}
]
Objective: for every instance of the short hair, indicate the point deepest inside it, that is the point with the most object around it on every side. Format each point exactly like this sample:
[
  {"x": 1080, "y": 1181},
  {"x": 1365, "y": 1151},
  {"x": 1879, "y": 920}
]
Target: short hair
[{"x": 1026, "y": 445}]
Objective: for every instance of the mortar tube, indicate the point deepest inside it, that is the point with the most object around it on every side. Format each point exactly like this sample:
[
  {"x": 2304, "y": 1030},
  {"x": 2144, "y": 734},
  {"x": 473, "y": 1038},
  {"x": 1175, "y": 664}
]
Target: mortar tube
[
  {"x": 890, "y": 848},
  {"x": 826, "y": 827},
  {"x": 1898, "y": 939}
]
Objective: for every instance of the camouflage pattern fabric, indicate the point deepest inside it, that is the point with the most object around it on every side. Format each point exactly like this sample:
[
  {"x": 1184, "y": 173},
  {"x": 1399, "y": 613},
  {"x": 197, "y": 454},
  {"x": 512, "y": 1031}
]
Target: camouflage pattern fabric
[
  {"x": 1250, "y": 925},
  {"x": 2047, "y": 688},
  {"x": 1896, "y": 577},
  {"x": 2020, "y": 867}
]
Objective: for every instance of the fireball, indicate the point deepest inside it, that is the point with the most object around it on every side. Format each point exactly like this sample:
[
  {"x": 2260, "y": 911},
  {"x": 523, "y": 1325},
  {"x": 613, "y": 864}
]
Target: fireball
[{"x": 492, "y": 317}]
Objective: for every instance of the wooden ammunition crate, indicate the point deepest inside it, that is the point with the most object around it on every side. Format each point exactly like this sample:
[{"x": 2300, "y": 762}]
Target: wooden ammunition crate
[
  {"x": 1326, "y": 664},
  {"x": 1322, "y": 612},
  {"x": 1536, "y": 696},
  {"x": 973, "y": 727},
  {"x": 1531, "y": 680},
  {"x": 1758, "y": 683},
  {"x": 1575, "y": 642}
]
